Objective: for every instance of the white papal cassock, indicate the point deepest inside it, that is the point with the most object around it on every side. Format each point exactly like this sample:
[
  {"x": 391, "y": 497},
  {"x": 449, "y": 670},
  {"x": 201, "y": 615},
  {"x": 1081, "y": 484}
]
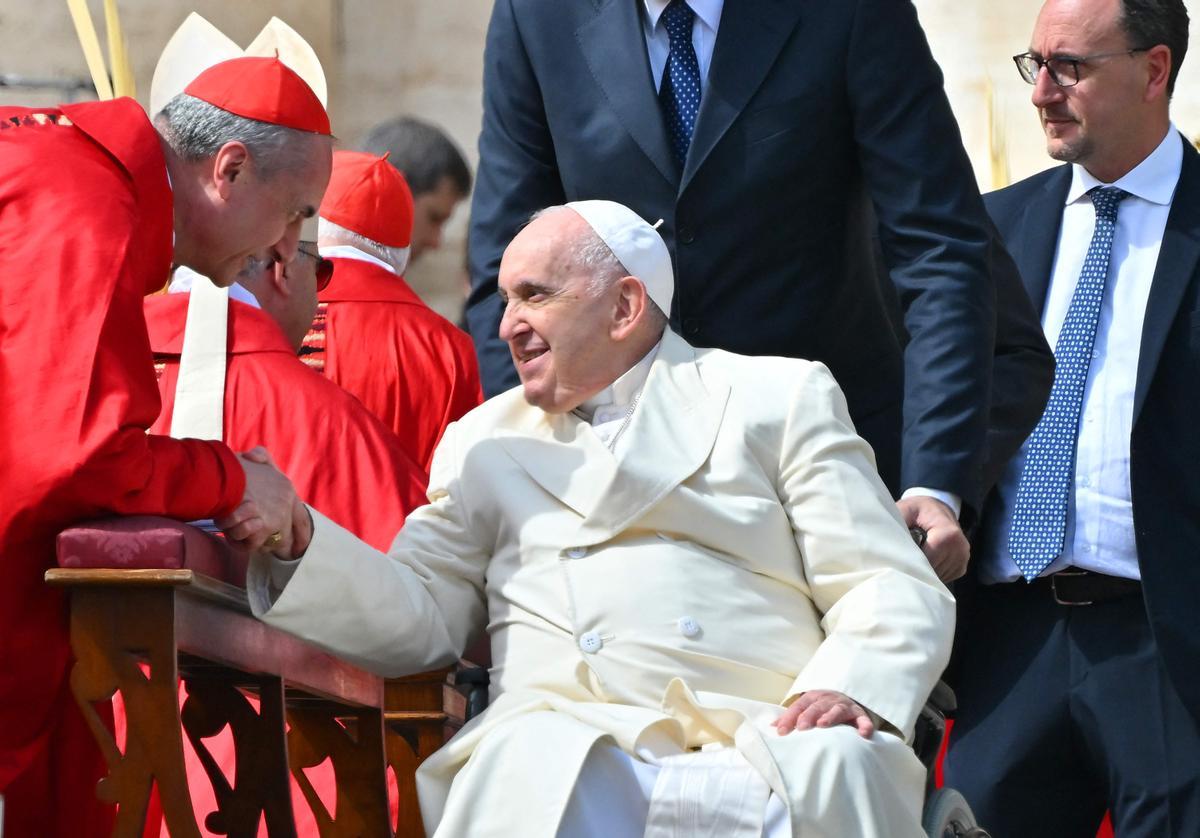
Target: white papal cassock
[{"x": 741, "y": 550}]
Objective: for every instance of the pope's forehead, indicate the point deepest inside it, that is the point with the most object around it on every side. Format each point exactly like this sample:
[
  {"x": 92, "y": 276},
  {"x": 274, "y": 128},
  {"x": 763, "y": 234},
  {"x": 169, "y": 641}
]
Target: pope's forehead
[
  {"x": 549, "y": 238},
  {"x": 554, "y": 228}
]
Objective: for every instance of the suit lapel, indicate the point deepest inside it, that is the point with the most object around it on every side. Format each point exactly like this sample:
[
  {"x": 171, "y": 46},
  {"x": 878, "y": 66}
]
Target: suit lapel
[
  {"x": 1177, "y": 264},
  {"x": 614, "y": 47},
  {"x": 1038, "y": 235},
  {"x": 749, "y": 38},
  {"x": 670, "y": 436}
]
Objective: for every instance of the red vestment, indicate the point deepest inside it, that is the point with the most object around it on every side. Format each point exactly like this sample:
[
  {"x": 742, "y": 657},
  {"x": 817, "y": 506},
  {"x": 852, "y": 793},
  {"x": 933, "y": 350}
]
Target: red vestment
[
  {"x": 341, "y": 459},
  {"x": 85, "y": 231},
  {"x": 410, "y": 366}
]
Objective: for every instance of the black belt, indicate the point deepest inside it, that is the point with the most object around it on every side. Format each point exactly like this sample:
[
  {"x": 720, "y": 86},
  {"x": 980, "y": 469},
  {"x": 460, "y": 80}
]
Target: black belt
[{"x": 1076, "y": 586}]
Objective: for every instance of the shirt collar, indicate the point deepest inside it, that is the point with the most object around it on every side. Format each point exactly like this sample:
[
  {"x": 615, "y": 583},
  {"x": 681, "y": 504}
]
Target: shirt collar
[
  {"x": 182, "y": 279},
  {"x": 346, "y": 251},
  {"x": 708, "y": 11},
  {"x": 623, "y": 391},
  {"x": 1152, "y": 180}
]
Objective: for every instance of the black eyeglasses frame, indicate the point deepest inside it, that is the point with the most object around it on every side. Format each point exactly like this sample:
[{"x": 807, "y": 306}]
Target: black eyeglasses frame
[{"x": 1029, "y": 65}]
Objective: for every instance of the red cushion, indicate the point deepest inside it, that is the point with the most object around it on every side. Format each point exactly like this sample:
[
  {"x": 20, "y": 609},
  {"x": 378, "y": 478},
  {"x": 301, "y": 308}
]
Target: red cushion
[{"x": 150, "y": 542}]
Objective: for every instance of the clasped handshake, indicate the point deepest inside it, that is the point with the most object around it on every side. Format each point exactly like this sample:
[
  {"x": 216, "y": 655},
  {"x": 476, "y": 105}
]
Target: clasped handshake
[{"x": 271, "y": 516}]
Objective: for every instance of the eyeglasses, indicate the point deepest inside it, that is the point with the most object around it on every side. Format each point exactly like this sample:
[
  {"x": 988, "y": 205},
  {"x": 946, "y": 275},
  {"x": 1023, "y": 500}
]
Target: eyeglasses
[
  {"x": 324, "y": 267},
  {"x": 1063, "y": 70}
]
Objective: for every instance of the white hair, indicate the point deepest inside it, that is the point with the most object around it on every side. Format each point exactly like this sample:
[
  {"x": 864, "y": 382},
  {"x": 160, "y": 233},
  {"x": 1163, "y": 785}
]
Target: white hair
[
  {"x": 593, "y": 256},
  {"x": 397, "y": 257}
]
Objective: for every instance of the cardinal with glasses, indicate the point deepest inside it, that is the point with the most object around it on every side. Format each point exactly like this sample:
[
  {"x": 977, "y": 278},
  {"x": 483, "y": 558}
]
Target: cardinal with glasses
[{"x": 331, "y": 447}]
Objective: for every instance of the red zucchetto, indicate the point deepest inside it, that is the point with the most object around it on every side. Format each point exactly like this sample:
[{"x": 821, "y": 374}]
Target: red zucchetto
[
  {"x": 264, "y": 89},
  {"x": 368, "y": 196}
]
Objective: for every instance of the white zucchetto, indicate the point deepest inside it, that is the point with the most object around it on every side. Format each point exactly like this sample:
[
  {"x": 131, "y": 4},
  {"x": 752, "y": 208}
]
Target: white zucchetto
[{"x": 636, "y": 244}]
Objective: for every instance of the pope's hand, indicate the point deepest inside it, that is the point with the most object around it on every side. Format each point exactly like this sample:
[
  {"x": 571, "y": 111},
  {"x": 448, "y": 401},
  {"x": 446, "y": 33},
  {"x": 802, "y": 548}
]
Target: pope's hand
[
  {"x": 270, "y": 513},
  {"x": 946, "y": 547},
  {"x": 824, "y": 708}
]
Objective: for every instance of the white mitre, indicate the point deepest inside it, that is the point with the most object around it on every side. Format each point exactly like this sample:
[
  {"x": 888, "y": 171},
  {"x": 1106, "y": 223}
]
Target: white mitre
[
  {"x": 198, "y": 45},
  {"x": 636, "y": 244}
]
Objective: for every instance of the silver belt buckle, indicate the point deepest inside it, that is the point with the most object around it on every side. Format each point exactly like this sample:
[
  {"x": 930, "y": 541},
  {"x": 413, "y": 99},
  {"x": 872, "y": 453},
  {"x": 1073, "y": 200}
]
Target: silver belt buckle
[{"x": 1054, "y": 586}]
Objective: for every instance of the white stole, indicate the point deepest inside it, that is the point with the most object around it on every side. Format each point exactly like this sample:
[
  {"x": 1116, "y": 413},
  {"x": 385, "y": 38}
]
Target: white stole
[{"x": 200, "y": 391}]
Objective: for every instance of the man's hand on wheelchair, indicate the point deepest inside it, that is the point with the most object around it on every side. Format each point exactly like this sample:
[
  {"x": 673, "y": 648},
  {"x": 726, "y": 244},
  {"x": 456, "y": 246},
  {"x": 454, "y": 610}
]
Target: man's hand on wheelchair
[
  {"x": 824, "y": 708},
  {"x": 944, "y": 545}
]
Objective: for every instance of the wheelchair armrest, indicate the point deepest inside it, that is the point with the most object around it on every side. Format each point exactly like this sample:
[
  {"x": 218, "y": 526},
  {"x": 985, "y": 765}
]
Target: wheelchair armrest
[
  {"x": 475, "y": 679},
  {"x": 942, "y": 698}
]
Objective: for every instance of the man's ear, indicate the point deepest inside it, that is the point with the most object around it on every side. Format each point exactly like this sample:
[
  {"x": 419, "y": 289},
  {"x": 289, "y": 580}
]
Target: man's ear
[
  {"x": 232, "y": 161},
  {"x": 630, "y": 307},
  {"x": 1158, "y": 64},
  {"x": 280, "y": 281}
]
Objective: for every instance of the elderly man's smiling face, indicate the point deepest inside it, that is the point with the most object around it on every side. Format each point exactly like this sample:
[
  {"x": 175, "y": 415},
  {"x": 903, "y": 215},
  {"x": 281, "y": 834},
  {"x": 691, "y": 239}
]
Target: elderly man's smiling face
[{"x": 557, "y": 328}]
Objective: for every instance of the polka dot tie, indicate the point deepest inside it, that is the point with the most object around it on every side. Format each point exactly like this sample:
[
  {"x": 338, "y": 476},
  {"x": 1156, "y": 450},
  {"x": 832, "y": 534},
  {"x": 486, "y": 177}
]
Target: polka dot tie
[
  {"x": 680, "y": 91},
  {"x": 1039, "y": 522}
]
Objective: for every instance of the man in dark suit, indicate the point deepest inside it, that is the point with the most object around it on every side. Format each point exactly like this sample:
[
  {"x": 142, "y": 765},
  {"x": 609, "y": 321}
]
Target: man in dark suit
[
  {"x": 764, "y": 134},
  {"x": 1079, "y": 669}
]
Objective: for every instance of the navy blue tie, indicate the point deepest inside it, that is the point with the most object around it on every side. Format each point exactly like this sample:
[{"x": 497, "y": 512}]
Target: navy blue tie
[
  {"x": 680, "y": 91},
  {"x": 1039, "y": 522}
]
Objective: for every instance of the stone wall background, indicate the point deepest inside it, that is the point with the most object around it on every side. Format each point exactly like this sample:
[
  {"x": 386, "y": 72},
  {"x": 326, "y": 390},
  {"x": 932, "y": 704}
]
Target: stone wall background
[{"x": 384, "y": 57}]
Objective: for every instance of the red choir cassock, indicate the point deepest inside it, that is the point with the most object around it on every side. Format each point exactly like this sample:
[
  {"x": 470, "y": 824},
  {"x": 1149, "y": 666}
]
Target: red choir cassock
[
  {"x": 410, "y": 366},
  {"x": 85, "y": 232},
  {"x": 341, "y": 459}
]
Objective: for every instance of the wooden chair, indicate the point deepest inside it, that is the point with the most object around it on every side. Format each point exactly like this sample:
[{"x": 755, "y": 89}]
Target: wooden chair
[{"x": 153, "y": 601}]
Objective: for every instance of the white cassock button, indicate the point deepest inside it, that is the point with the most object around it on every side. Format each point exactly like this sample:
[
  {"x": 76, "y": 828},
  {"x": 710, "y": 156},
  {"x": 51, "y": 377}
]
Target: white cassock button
[
  {"x": 577, "y": 552},
  {"x": 688, "y": 626},
  {"x": 590, "y": 641}
]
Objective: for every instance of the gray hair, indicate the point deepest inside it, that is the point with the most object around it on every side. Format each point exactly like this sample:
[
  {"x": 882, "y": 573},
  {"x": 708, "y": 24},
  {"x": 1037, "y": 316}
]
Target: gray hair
[
  {"x": 196, "y": 130},
  {"x": 591, "y": 255},
  {"x": 397, "y": 257}
]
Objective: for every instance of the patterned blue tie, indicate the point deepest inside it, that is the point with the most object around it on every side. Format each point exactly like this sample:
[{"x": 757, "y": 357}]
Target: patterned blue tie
[
  {"x": 1039, "y": 522},
  {"x": 680, "y": 91}
]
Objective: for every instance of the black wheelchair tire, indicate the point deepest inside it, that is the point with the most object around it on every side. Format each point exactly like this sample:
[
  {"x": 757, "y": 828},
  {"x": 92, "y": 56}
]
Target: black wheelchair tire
[{"x": 947, "y": 815}]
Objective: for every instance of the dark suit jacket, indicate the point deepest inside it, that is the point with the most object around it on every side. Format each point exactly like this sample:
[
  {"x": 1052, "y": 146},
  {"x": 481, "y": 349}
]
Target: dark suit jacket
[
  {"x": 1164, "y": 450},
  {"x": 1022, "y": 363},
  {"x": 813, "y": 112}
]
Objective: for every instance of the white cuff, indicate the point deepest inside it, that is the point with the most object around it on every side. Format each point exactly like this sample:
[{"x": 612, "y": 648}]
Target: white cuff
[{"x": 949, "y": 498}]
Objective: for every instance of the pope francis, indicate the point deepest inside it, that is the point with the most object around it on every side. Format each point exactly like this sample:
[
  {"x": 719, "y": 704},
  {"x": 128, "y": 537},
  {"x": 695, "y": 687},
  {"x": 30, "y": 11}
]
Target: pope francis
[{"x": 706, "y": 615}]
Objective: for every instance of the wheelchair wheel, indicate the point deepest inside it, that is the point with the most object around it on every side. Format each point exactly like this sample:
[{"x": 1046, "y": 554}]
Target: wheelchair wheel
[{"x": 947, "y": 815}]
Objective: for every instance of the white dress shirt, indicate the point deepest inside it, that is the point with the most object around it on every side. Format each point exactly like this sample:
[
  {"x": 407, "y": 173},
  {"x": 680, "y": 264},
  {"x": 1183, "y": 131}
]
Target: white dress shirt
[
  {"x": 704, "y": 36},
  {"x": 1099, "y": 534}
]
